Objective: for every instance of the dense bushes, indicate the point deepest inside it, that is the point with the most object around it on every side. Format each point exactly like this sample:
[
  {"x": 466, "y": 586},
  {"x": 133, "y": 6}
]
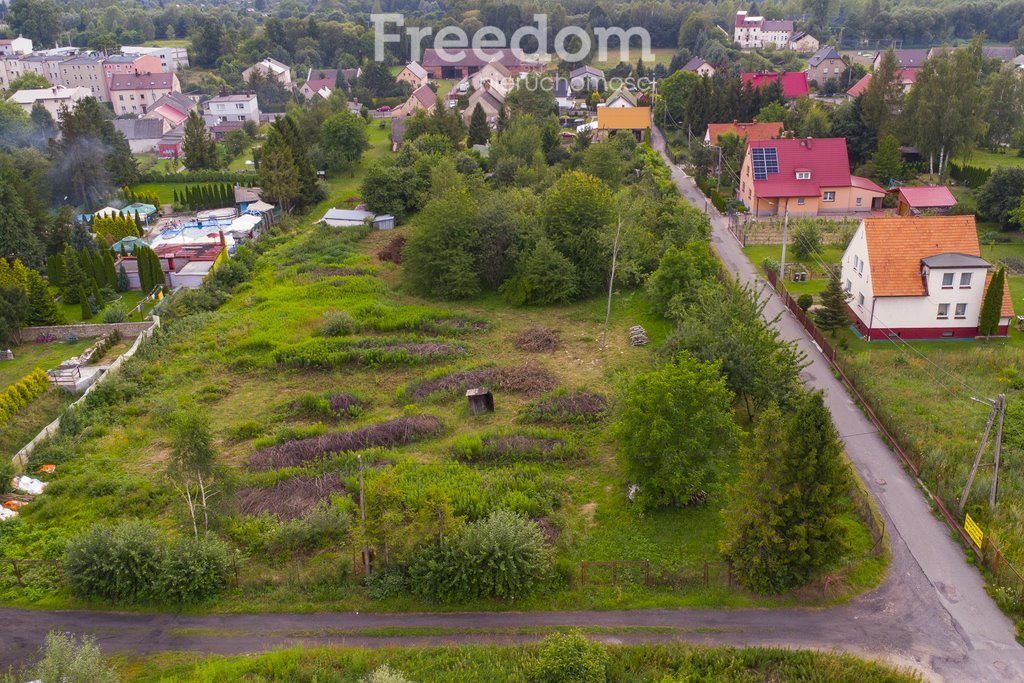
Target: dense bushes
[
  {"x": 971, "y": 176},
  {"x": 132, "y": 563},
  {"x": 329, "y": 353},
  {"x": 20, "y": 394},
  {"x": 502, "y": 556},
  {"x": 389, "y": 434},
  {"x": 570, "y": 658},
  {"x": 204, "y": 176},
  {"x": 200, "y": 197}
]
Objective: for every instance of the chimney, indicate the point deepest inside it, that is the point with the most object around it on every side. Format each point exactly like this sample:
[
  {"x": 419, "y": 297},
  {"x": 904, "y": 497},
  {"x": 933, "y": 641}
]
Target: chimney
[{"x": 808, "y": 142}]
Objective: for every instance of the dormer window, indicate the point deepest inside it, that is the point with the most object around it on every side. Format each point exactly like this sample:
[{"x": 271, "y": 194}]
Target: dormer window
[{"x": 803, "y": 175}]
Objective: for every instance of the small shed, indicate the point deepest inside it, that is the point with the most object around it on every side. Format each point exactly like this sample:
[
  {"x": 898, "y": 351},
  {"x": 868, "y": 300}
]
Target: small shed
[
  {"x": 145, "y": 211},
  {"x": 346, "y": 218},
  {"x": 384, "y": 222},
  {"x": 914, "y": 201}
]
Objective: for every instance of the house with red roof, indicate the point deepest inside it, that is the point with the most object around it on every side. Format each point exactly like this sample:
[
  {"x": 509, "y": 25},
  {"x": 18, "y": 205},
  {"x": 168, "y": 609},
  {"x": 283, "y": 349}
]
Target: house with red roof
[
  {"x": 319, "y": 82},
  {"x": 919, "y": 278},
  {"x": 422, "y": 98},
  {"x": 915, "y": 201},
  {"x": 462, "y": 63},
  {"x": 794, "y": 83},
  {"x": 744, "y": 131},
  {"x": 907, "y": 79},
  {"x": 804, "y": 177},
  {"x": 134, "y": 93}
]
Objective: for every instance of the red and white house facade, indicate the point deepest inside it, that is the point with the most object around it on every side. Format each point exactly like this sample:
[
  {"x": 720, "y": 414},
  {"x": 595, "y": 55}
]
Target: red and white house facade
[{"x": 918, "y": 278}]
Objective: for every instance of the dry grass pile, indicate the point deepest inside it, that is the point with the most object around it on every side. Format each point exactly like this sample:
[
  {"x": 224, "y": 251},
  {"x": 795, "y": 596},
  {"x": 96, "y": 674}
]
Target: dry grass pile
[
  {"x": 523, "y": 379},
  {"x": 537, "y": 340},
  {"x": 393, "y": 251},
  {"x": 291, "y": 498},
  {"x": 580, "y": 407}
]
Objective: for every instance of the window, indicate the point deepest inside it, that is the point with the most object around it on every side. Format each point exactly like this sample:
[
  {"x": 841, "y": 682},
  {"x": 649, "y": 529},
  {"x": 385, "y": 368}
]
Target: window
[
  {"x": 121, "y": 97},
  {"x": 860, "y": 300},
  {"x": 961, "y": 311},
  {"x": 829, "y": 197},
  {"x": 860, "y": 267},
  {"x": 965, "y": 280},
  {"x": 239, "y": 106},
  {"x": 800, "y": 201},
  {"x": 947, "y": 280},
  {"x": 943, "y": 313},
  {"x": 803, "y": 175},
  {"x": 241, "y": 118},
  {"x": 849, "y": 286},
  {"x": 860, "y": 200}
]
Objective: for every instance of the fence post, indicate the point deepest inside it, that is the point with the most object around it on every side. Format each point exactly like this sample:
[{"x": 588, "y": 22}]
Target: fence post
[
  {"x": 17, "y": 574},
  {"x": 705, "y": 573},
  {"x": 583, "y": 571},
  {"x": 647, "y": 573}
]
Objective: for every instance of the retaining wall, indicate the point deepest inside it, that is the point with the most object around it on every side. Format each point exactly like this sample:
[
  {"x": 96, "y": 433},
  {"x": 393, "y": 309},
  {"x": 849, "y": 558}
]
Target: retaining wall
[{"x": 129, "y": 330}]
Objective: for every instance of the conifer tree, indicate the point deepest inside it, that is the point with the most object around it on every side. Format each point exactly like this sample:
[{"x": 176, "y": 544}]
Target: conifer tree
[
  {"x": 83, "y": 300},
  {"x": 833, "y": 312},
  {"x": 479, "y": 131},
  {"x": 85, "y": 261},
  {"x": 123, "y": 283},
  {"x": 96, "y": 295},
  {"x": 74, "y": 278},
  {"x": 992, "y": 305},
  {"x": 99, "y": 267},
  {"x": 42, "y": 309},
  {"x": 784, "y": 526}
]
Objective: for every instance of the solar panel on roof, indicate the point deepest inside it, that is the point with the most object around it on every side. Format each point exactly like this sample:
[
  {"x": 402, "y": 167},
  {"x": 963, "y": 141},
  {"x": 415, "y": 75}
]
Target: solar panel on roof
[{"x": 765, "y": 160}]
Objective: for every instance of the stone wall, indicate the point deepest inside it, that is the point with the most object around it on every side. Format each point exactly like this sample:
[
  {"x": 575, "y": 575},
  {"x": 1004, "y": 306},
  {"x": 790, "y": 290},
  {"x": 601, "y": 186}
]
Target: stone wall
[{"x": 127, "y": 330}]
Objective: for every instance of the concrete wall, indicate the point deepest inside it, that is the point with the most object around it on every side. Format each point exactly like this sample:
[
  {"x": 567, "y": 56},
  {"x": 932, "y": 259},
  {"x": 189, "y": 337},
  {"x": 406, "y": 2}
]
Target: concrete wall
[{"x": 129, "y": 330}]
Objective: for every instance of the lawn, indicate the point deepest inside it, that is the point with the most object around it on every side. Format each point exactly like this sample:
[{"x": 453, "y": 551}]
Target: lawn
[
  {"x": 32, "y": 355},
  {"x": 662, "y": 55},
  {"x": 171, "y": 42},
  {"x": 228, "y": 364},
  {"x": 985, "y": 159},
  {"x": 73, "y": 312},
  {"x": 166, "y": 190},
  {"x": 816, "y": 276}
]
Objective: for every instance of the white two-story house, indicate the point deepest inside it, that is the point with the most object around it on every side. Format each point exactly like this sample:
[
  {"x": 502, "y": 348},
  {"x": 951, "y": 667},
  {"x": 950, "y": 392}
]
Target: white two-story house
[
  {"x": 230, "y": 108},
  {"x": 918, "y": 278}
]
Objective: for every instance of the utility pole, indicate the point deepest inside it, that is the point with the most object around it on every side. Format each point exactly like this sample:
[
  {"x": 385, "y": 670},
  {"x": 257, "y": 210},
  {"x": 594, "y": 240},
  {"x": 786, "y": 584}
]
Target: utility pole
[
  {"x": 1001, "y": 402},
  {"x": 785, "y": 238},
  {"x": 611, "y": 282},
  {"x": 997, "y": 406},
  {"x": 362, "y": 513}
]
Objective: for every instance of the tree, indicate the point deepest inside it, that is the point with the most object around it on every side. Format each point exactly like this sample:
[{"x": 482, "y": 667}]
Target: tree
[
  {"x": 884, "y": 93},
  {"x": 197, "y": 145},
  {"x": 806, "y": 239},
  {"x": 123, "y": 283},
  {"x": 309, "y": 190},
  {"x": 29, "y": 80},
  {"x": 344, "y": 139},
  {"x": 439, "y": 258},
  {"x": 192, "y": 467},
  {"x": 577, "y": 211},
  {"x": 35, "y": 19},
  {"x": 819, "y": 11},
  {"x": 208, "y": 42},
  {"x": 479, "y": 131},
  {"x": 279, "y": 177},
  {"x": 605, "y": 162},
  {"x": 1001, "y": 194},
  {"x": 675, "y": 431},
  {"x": 13, "y": 311},
  {"x": 1004, "y": 107},
  {"x": 90, "y": 156},
  {"x": 784, "y": 523},
  {"x": 886, "y": 163},
  {"x": 544, "y": 277},
  {"x": 42, "y": 309},
  {"x": 529, "y": 97},
  {"x": 679, "y": 276},
  {"x": 83, "y": 301},
  {"x": 833, "y": 314},
  {"x": 18, "y": 238},
  {"x": 992, "y": 305}
]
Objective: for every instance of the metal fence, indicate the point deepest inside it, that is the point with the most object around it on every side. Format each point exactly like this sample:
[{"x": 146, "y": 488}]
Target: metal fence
[
  {"x": 617, "y": 572},
  {"x": 1003, "y": 573}
]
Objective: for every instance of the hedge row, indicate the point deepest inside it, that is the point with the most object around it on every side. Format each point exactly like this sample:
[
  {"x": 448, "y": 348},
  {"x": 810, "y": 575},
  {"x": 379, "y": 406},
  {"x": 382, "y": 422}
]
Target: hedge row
[
  {"x": 244, "y": 178},
  {"x": 971, "y": 176},
  {"x": 706, "y": 186},
  {"x": 22, "y": 393}
]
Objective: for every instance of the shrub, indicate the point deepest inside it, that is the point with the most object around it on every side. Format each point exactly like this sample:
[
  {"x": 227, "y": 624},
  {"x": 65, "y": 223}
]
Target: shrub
[
  {"x": 70, "y": 661},
  {"x": 7, "y": 472},
  {"x": 389, "y": 434},
  {"x": 385, "y": 584},
  {"x": 119, "y": 564},
  {"x": 19, "y": 395},
  {"x": 192, "y": 571},
  {"x": 115, "y": 313},
  {"x": 502, "y": 556},
  {"x": 524, "y": 379},
  {"x": 328, "y": 405},
  {"x": 805, "y": 301},
  {"x": 578, "y": 407},
  {"x": 336, "y": 324},
  {"x": 570, "y": 658},
  {"x": 384, "y": 673},
  {"x": 806, "y": 240}
]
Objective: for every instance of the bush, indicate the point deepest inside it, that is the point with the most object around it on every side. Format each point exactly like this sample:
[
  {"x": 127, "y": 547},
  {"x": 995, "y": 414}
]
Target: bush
[
  {"x": 805, "y": 301},
  {"x": 66, "y": 660},
  {"x": 502, "y": 556},
  {"x": 192, "y": 571},
  {"x": 7, "y": 472},
  {"x": 19, "y": 395},
  {"x": 806, "y": 240},
  {"x": 384, "y": 584},
  {"x": 335, "y": 352},
  {"x": 384, "y": 673},
  {"x": 528, "y": 446},
  {"x": 119, "y": 564},
  {"x": 570, "y": 658},
  {"x": 579, "y": 407},
  {"x": 336, "y": 324}
]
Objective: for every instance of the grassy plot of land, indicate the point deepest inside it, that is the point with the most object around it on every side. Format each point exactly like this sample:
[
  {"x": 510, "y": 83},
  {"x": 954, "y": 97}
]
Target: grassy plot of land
[
  {"x": 30, "y": 420},
  {"x": 44, "y": 355},
  {"x": 662, "y": 55},
  {"x": 73, "y": 312},
  {"x": 322, "y": 322},
  {"x": 485, "y": 663},
  {"x": 817, "y": 279},
  {"x": 991, "y": 160}
]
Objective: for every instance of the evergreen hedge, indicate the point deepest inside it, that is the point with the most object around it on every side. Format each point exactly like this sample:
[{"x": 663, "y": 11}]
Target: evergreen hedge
[
  {"x": 20, "y": 394},
  {"x": 971, "y": 176}
]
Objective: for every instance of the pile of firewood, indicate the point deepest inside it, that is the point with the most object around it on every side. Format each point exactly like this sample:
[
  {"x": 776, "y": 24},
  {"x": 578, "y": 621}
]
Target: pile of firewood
[{"x": 637, "y": 336}]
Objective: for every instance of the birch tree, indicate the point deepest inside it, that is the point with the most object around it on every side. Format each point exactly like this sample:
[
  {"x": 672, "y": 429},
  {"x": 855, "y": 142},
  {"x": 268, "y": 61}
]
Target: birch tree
[{"x": 192, "y": 468}]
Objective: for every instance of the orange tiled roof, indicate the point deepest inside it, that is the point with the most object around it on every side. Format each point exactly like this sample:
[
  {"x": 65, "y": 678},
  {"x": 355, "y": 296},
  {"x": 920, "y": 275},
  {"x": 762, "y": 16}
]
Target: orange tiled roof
[
  {"x": 897, "y": 245},
  {"x": 624, "y": 118},
  {"x": 1007, "y": 311},
  {"x": 750, "y": 131}
]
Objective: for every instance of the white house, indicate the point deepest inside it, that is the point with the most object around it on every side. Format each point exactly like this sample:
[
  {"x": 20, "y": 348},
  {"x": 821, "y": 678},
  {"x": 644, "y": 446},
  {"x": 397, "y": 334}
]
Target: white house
[
  {"x": 271, "y": 69},
  {"x": 620, "y": 99},
  {"x": 754, "y": 32},
  {"x": 171, "y": 58},
  {"x": 52, "y": 99},
  {"x": 700, "y": 67},
  {"x": 496, "y": 74},
  {"x": 225, "y": 108},
  {"x": 413, "y": 74},
  {"x": 586, "y": 79},
  {"x": 918, "y": 278},
  {"x": 15, "y": 46}
]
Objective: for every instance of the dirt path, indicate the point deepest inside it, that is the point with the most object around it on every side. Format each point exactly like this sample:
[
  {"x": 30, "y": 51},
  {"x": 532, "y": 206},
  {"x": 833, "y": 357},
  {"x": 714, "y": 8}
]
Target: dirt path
[{"x": 931, "y": 613}]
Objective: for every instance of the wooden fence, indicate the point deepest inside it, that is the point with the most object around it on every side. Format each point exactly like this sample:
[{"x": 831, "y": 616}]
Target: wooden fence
[
  {"x": 615, "y": 572},
  {"x": 1003, "y": 573}
]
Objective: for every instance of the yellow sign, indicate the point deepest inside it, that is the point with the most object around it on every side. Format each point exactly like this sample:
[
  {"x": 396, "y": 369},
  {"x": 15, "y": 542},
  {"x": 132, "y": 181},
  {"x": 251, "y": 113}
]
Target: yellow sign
[{"x": 973, "y": 530}]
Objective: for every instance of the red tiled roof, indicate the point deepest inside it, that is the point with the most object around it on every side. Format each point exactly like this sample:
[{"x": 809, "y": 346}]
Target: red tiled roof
[
  {"x": 825, "y": 158},
  {"x": 1007, "y": 309},
  {"x": 794, "y": 83},
  {"x": 865, "y": 184},
  {"x": 928, "y": 197},
  {"x": 907, "y": 78},
  {"x": 750, "y": 131},
  {"x": 896, "y": 246},
  {"x": 157, "y": 81}
]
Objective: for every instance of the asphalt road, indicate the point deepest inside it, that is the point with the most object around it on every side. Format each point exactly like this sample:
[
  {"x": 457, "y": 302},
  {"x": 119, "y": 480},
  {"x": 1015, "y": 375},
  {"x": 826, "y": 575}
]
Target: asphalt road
[{"x": 932, "y": 613}]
